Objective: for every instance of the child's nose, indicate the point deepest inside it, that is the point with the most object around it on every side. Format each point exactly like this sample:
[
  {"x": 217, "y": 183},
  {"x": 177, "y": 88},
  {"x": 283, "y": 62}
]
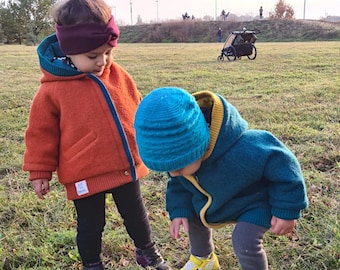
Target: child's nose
[{"x": 102, "y": 61}]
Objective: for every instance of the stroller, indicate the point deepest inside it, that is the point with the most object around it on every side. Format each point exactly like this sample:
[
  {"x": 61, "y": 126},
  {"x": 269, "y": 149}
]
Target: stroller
[{"x": 239, "y": 43}]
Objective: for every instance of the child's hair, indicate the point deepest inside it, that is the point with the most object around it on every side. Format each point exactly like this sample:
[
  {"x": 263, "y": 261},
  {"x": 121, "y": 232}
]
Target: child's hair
[{"x": 69, "y": 12}]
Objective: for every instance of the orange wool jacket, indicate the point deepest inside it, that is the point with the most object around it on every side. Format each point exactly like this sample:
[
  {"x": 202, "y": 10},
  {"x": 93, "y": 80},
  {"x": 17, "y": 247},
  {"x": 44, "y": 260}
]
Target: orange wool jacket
[{"x": 73, "y": 131}]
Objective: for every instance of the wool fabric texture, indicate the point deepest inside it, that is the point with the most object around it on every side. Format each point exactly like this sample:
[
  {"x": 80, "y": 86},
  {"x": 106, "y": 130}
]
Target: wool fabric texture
[
  {"x": 171, "y": 131},
  {"x": 80, "y": 38},
  {"x": 246, "y": 175},
  {"x": 90, "y": 149}
]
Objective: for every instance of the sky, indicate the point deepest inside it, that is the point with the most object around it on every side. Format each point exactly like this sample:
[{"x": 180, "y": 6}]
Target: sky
[{"x": 162, "y": 10}]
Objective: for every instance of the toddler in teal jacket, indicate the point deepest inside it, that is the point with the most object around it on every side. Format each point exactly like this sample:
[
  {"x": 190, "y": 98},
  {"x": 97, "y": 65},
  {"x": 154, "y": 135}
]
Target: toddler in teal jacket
[{"x": 220, "y": 172}]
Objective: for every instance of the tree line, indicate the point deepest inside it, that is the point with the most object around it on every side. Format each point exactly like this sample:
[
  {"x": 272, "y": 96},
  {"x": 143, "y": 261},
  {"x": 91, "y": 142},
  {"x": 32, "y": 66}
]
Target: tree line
[{"x": 28, "y": 21}]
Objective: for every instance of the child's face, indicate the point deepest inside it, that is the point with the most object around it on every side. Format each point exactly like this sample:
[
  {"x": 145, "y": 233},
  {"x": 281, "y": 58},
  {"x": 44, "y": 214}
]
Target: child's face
[
  {"x": 187, "y": 170},
  {"x": 93, "y": 61}
]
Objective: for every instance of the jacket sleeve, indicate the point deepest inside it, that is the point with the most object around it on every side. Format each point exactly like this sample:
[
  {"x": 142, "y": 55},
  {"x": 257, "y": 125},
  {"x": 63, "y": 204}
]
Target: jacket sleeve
[
  {"x": 42, "y": 137},
  {"x": 287, "y": 191},
  {"x": 178, "y": 199}
]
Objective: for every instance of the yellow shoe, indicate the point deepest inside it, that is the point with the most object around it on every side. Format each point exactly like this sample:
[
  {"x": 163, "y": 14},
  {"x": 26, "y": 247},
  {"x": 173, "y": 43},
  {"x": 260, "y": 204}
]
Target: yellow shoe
[{"x": 196, "y": 263}]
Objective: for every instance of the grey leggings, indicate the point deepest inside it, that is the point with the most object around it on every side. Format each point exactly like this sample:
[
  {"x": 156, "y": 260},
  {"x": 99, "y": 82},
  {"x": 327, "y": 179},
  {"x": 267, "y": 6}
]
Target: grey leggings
[{"x": 247, "y": 241}]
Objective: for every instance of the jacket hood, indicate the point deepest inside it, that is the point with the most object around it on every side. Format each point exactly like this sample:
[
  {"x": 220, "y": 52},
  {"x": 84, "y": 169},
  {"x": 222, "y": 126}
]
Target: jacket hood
[
  {"x": 47, "y": 50},
  {"x": 226, "y": 126}
]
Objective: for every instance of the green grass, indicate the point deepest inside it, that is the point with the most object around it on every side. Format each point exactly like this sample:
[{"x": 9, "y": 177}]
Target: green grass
[{"x": 291, "y": 89}]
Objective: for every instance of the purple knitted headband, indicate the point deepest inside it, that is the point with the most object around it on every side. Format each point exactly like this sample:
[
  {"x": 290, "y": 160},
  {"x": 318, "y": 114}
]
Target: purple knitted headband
[{"x": 81, "y": 38}]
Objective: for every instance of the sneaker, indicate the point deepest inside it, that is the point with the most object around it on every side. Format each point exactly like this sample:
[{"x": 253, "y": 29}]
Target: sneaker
[
  {"x": 196, "y": 263},
  {"x": 150, "y": 258}
]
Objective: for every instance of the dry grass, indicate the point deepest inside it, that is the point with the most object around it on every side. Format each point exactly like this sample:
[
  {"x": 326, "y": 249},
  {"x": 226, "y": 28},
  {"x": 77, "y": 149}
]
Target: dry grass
[{"x": 291, "y": 89}]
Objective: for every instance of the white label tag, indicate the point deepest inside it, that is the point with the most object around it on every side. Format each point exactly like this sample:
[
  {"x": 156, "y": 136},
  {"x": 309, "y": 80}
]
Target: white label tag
[{"x": 81, "y": 188}]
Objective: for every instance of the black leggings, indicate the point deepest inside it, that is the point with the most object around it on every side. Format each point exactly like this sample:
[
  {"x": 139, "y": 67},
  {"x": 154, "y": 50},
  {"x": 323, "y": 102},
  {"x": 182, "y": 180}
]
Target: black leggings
[{"x": 91, "y": 220}]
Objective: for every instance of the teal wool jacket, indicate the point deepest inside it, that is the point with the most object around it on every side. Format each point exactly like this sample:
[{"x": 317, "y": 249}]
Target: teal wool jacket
[{"x": 246, "y": 175}]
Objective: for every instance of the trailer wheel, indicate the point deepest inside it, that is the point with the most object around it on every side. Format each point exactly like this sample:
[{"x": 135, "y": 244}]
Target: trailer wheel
[
  {"x": 253, "y": 54},
  {"x": 231, "y": 53}
]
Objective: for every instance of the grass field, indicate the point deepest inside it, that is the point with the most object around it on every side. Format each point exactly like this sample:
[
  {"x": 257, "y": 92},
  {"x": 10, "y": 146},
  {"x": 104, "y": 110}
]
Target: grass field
[{"x": 291, "y": 89}]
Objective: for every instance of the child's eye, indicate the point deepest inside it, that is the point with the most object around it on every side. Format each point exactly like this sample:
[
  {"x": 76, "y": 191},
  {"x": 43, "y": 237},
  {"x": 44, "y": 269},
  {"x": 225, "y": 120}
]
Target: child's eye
[{"x": 92, "y": 57}]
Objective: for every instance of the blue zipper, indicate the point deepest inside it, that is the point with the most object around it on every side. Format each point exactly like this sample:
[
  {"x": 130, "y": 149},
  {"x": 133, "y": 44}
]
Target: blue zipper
[{"x": 119, "y": 125}]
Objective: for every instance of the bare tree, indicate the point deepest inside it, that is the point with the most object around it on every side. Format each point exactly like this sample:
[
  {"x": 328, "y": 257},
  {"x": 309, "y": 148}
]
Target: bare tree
[
  {"x": 289, "y": 12},
  {"x": 283, "y": 10}
]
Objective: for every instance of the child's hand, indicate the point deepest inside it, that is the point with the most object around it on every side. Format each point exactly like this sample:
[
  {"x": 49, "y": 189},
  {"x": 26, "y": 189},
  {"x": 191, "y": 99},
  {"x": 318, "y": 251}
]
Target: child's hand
[
  {"x": 282, "y": 226},
  {"x": 175, "y": 227},
  {"x": 41, "y": 187}
]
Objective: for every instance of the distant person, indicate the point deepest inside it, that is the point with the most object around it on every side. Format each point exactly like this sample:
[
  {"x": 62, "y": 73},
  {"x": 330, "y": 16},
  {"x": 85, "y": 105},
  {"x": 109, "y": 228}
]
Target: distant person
[
  {"x": 223, "y": 14},
  {"x": 261, "y": 12},
  {"x": 219, "y": 34},
  {"x": 220, "y": 172},
  {"x": 80, "y": 125}
]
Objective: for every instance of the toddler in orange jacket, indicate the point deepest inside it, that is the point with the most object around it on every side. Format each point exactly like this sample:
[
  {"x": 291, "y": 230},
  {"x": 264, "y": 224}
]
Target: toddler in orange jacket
[{"x": 80, "y": 125}]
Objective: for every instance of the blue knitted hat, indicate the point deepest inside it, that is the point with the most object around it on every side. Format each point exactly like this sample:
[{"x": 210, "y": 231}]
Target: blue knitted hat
[{"x": 171, "y": 131}]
